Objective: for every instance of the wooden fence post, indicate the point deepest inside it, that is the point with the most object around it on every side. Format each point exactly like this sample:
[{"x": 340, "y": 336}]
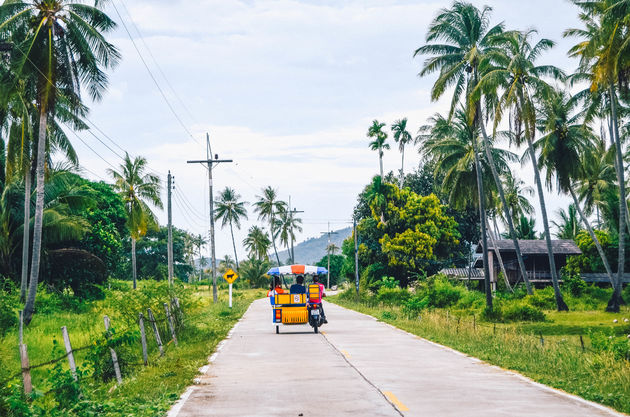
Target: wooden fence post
[
  {"x": 474, "y": 322},
  {"x": 156, "y": 332},
  {"x": 180, "y": 313},
  {"x": 113, "y": 353},
  {"x": 66, "y": 342},
  {"x": 21, "y": 331},
  {"x": 143, "y": 338},
  {"x": 582, "y": 343},
  {"x": 26, "y": 369},
  {"x": 542, "y": 340},
  {"x": 457, "y": 328},
  {"x": 169, "y": 318}
]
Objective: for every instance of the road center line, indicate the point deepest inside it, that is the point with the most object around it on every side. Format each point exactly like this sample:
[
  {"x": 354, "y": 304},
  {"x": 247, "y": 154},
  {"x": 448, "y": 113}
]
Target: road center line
[
  {"x": 384, "y": 395},
  {"x": 394, "y": 400}
]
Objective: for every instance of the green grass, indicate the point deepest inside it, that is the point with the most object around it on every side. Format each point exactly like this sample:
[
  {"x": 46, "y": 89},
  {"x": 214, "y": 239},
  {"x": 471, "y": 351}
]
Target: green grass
[
  {"x": 560, "y": 363},
  {"x": 146, "y": 391}
]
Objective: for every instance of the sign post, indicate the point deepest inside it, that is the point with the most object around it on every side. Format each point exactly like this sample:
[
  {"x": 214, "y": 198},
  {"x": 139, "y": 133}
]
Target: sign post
[{"x": 230, "y": 276}]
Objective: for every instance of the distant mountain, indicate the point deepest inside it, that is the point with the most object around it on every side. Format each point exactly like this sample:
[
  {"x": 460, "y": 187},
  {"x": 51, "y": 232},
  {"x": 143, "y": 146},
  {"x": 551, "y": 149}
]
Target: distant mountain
[{"x": 312, "y": 250}]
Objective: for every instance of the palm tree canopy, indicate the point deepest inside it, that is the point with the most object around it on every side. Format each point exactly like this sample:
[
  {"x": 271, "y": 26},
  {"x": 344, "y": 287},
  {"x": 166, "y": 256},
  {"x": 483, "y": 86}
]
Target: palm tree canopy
[
  {"x": 138, "y": 190},
  {"x": 457, "y": 42},
  {"x": 268, "y": 205},
  {"x": 376, "y": 132},
  {"x": 257, "y": 243},
  {"x": 569, "y": 224},
  {"x": 229, "y": 209},
  {"x": 401, "y": 135}
]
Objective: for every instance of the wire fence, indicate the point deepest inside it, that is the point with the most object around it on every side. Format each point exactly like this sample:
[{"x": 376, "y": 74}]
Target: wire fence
[{"x": 168, "y": 324}]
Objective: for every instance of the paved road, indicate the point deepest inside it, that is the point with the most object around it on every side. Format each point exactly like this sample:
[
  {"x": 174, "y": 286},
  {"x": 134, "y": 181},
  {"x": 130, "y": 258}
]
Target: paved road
[{"x": 359, "y": 367}]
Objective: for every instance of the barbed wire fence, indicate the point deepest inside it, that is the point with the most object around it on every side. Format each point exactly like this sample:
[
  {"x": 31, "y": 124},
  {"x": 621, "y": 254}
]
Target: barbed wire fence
[{"x": 172, "y": 321}]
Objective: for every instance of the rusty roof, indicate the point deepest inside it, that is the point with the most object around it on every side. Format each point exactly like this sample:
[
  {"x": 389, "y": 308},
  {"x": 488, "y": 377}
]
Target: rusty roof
[{"x": 535, "y": 247}]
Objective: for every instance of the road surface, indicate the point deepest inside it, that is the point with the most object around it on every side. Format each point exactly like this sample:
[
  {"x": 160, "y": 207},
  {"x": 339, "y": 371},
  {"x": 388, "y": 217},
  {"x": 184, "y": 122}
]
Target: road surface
[{"x": 358, "y": 366}]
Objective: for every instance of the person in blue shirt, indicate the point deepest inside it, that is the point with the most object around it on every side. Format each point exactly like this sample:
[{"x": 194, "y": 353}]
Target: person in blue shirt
[{"x": 298, "y": 287}]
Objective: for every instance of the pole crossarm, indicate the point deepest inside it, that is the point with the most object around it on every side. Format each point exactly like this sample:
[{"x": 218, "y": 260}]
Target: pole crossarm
[{"x": 209, "y": 161}]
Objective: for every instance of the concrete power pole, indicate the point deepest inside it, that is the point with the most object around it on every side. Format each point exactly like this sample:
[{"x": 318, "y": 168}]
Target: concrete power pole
[
  {"x": 356, "y": 254},
  {"x": 328, "y": 251},
  {"x": 210, "y": 164},
  {"x": 170, "y": 229},
  {"x": 292, "y": 212}
]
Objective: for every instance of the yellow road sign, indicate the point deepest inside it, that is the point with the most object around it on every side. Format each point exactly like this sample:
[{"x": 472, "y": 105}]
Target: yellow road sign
[{"x": 230, "y": 276}]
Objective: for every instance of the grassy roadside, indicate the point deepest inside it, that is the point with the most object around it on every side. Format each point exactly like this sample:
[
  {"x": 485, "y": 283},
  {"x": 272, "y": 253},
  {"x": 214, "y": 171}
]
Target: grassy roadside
[
  {"x": 145, "y": 391},
  {"x": 560, "y": 363}
]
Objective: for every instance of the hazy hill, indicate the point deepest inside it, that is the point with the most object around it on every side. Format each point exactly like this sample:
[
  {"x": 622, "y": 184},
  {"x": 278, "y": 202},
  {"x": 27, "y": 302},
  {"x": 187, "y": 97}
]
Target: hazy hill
[{"x": 312, "y": 250}]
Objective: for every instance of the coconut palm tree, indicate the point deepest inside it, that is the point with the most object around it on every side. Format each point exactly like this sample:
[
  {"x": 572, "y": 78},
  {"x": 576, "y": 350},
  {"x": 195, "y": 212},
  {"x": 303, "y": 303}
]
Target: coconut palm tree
[
  {"x": 378, "y": 143},
  {"x": 459, "y": 41},
  {"x": 603, "y": 54},
  {"x": 230, "y": 211},
  {"x": 332, "y": 248},
  {"x": 402, "y": 137},
  {"x": 597, "y": 177},
  {"x": 64, "y": 49},
  {"x": 137, "y": 189},
  {"x": 514, "y": 70},
  {"x": 268, "y": 207},
  {"x": 285, "y": 227},
  {"x": 257, "y": 243},
  {"x": 565, "y": 147},
  {"x": 516, "y": 193},
  {"x": 199, "y": 242}
]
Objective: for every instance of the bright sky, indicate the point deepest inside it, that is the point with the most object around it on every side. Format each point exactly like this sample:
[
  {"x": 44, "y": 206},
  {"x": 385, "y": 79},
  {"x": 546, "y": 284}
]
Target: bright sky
[{"x": 286, "y": 88}]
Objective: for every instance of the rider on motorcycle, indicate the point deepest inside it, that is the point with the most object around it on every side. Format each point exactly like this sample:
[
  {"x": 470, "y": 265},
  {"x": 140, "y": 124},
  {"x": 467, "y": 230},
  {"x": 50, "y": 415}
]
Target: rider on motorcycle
[{"x": 322, "y": 295}]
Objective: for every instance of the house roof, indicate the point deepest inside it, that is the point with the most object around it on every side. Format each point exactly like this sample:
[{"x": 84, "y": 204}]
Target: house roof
[
  {"x": 534, "y": 247},
  {"x": 475, "y": 273}
]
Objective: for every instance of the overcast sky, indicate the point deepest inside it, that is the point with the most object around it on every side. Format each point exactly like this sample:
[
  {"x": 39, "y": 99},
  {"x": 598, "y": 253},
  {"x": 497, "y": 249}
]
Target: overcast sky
[{"x": 286, "y": 88}]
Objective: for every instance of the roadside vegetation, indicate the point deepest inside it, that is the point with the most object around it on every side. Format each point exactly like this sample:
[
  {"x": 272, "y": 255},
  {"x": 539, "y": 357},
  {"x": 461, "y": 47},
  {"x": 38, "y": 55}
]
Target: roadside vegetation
[
  {"x": 583, "y": 352},
  {"x": 145, "y": 391}
]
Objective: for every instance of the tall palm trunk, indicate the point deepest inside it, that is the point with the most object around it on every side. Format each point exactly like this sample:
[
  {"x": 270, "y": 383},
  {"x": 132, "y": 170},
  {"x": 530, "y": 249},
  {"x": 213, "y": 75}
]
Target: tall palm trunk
[
  {"x": 134, "y": 272},
  {"x": 616, "y": 299},
  {"x": 402, "y": 168},
  {"x": 591, "y": 232},
  {"x": 29, "y": 307},
  {"x": 26, "y": 235},
  {"x": 506, "y": 208},
  {"x": 380, "y": 160},
  {"x": 273, "y": 241},
  {"x": 560, "y": 304},
  {"x": 482, "y": 219},
  {"x": 234, "y": 245},
  {"x": 499, "y": 258}
]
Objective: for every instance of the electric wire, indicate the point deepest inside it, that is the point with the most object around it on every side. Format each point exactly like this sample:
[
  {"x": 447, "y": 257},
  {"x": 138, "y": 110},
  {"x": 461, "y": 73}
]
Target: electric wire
[
  {"x": 188, "y": 208},
  {"x": 157, "y": 65},
  {"x": 157, "y": 84}
]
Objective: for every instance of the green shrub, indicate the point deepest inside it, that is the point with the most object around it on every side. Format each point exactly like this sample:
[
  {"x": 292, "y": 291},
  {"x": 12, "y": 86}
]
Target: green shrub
[
  {"x": 8, "y": 311},
  {"x": 543, "y": 299},
  {"x": 100, "y": 356},
  {"x": 392, "y": 296},
  {"x": 471, "y": 300},
  {"x": 443, "y": 293},
  {"x": 388, "y": 282},
  {"x": 388, "y": 315},
  {"x": 521, "y": 311},
  {"x": 414, "y": 305},
  {"x": 572, "y": 282}
]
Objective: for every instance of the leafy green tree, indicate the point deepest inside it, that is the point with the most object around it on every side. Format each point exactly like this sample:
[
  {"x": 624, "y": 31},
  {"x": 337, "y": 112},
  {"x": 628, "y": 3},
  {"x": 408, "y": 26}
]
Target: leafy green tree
[
  {"x": 379, "y": 142},
  {"x": 231, "y": 211},
  {"x": 402, "y": 137},
  {"x": 568, "y": 225},
  {"x": 64, "y": 50},
  {"x": 268, "y": 207},
  {"x": 336, "y": 266},
  {"x": 257, "y": 243},
  {"x": 137, "y": 190},
  {"x": 153, "y": 254}
]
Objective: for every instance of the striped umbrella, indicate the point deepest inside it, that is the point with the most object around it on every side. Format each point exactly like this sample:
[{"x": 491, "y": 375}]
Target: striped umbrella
[{"x": 297, "y": 270}]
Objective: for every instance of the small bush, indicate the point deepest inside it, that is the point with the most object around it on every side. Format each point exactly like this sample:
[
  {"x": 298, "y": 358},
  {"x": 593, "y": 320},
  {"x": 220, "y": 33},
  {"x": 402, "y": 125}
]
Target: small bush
[
  {"x": 392, "y": 296},
  {"x": 414, "y": 305},
  {"x": 572, "y": 283},
  {"x": 8, "y": 311},
  {"x": 619, "y": 346},
  {"x": 521, "y": 311},
  {"x": 471, "y": 300},
  {"x": 388, "y": 315},
  {"x": 443, "y": 293},
  {"x": 543, "y": 299},
  {"x": 388, "y": 282}
]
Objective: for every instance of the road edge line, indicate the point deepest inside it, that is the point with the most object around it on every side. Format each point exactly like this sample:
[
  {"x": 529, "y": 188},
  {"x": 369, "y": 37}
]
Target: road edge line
[{"x": 525, "y": 378}]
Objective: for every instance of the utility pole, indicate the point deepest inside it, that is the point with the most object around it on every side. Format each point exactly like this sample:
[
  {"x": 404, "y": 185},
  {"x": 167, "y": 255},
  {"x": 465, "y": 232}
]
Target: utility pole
[
  {"x": 210, "y": 164},
  {"x": 170, "y": 229},
  {"x": 291, "y": 213},
  {"x": 356, "y": 254},
  {"x": 328, "y": 251}
]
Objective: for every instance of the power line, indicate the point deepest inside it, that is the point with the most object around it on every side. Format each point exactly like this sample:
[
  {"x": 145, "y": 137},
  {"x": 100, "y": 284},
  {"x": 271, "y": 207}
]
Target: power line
[
  {"x": 90, "y": 148},
  {"x": 156, "y": 63},
  {"x": 168, "y": 103},
  {"x": 189, "y": 209}
]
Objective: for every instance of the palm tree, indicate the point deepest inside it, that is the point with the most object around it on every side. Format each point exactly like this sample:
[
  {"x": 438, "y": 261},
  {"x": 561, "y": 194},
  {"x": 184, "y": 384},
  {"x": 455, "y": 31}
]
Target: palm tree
[
  {"x": 376, "y": 197},
  {"x": 467, "y": 39},
  {"x": 402, "y": 137},
  {"x": 332, "y": 248},
  {"x": 516, "y": 193},
  {"x": 226, "y": 263},
  {"x": 231, "y": 211},
  {"x": 565, "y": 147},
  {"x": 597, "y": 177},
  {"x": 257, "y": 243},
  {"x": 199, "y": 242},
  {"x": 64, "y": 50},
  {"x": 569, "y": 224},
  {"x": 268, "y": 207},
  {"x": 379, "y": 143},
  {"x": 285, "y": 227},
  {"x": 603, "y": 56},
  {"x": 137, "y": 190},
  {"x": 526, "y": 228},
  {"x": 515, "y": 71}
]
